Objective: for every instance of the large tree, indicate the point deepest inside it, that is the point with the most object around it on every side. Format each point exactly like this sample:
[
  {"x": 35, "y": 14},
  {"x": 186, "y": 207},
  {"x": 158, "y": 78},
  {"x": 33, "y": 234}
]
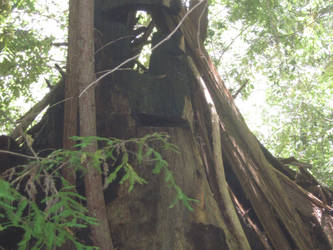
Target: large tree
[{"x": 246, "y": 198}]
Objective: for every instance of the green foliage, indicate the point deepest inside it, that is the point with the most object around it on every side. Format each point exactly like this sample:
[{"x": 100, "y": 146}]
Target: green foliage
[
  {"x": 285, "y": 48},
  {"x": 51, "y": 221},
  {"x": 280, "y": 39},
  {"x": 22, "y": 52},
  {"x": 8, "y": 6},
  {"x": 44, "y": 228},
  {"x": 144, "y": 153},
  {"x": 25, "y": 54},
  {"x": 307, "y": 130}
]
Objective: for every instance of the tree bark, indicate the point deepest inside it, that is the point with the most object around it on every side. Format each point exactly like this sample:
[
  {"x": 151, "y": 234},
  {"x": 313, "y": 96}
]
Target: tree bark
[
  {"x": 274, "y": 212},
  {"x": 71, "y": 89},
  {"x": 26, "y": 120},
  {"x": 235, "y": 232},
  {"x": 84, "y": 67},
  {"x": 254, "y": 172},
  {"x": 199, "y": 18}
]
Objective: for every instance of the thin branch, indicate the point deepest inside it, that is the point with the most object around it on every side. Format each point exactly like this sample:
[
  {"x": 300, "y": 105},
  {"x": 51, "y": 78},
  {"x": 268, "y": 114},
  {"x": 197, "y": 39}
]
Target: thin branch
[
  {"x": 60, "y": 44},
  {"x": 17, "y": 154},
  {"x": 30, "y": 116},
  {"x": 261, "y": 235},
  {"x": 293, "y": 161},
  {"x": 240, "y": 89},
  {"x": 20, "y": 132},
  {"x": 141, "y": 66},
  {"x": 233, "y": 40},
  {"x": 112, "y": 42},
  {"x": 137, "y": 55},
  {"x": 63, "y": 74},
  {"x": 145, "y": 35}
]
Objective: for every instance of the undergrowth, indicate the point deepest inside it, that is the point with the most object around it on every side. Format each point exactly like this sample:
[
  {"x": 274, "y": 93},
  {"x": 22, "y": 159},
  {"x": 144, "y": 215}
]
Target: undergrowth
[{"x": 36, "y": 198}]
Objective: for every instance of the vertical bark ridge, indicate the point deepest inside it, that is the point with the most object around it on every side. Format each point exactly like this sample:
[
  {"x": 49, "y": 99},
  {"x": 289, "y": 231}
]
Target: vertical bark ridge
[
  {"x": 84, "y": 73},
  {"x": 243, "y": 144}
]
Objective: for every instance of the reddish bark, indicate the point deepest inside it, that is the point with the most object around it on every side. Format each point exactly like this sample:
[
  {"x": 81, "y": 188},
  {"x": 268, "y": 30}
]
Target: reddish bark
[{"x": 84, "y": 73}]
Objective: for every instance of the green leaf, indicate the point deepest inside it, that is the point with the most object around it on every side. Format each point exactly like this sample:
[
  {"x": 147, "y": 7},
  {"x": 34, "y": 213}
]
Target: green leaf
[
  {"x": 18, "y": 216},
  {"x": 114, "y": 174},
  {"x": 83, "y": 157},
  {"x": 159, "y": 166}
]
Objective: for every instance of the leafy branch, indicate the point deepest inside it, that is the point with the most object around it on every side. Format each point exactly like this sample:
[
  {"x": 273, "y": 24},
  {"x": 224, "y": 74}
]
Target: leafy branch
[{"x": 38, "y": 200}]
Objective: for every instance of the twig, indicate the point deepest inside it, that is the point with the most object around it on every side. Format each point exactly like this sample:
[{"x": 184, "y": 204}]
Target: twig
[
  {"x": 60, "y": 44},
  {"x": 136, "y": 56},
  {"x": 232, "y": 41},
  {"x": 262, "y": 236},
  {"x": 140, "y": 41},
  {"x": 19, "y": 130},
  {"x": 48, "y": 83},
  {"x": 240, "y": 89},
  {"x": 112, "y": 42},
  {"x": 140, "y": 65},
  {"x": 30, "y": 116},
  {"x": 63, "y": 74},
  {"x": 17, "y": 154}
]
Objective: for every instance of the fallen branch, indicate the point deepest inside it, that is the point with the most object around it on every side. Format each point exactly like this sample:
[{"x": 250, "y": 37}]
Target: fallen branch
[{"x": 31, "y": 115}]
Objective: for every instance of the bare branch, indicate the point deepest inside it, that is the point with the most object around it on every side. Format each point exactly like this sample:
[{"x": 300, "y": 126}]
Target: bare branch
[
  {"x": 137, "y": 55},
  {"x": 240, "y": 89},
  {"x": 17, "y": 154},
  {"x": 63, "y": 74},
  {"x": 60, "y": 44},
  {"x": 31, "y": 115},
  {"x": 112, "y": 42}
]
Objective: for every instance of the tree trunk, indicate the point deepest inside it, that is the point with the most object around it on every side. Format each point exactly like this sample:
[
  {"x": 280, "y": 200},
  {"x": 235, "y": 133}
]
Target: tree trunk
[
  {"x": 143, "y": 222},
  {"x": 199, "y": 18},
  {"x": 247, "y": 199},
  {"x": 260, "y": 182},
  {"x": 83, "y": 74},
  {"x": 71, "y": 88}
]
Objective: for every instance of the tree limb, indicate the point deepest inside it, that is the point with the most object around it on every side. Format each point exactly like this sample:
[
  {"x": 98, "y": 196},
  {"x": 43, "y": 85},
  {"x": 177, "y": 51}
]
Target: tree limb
[
  {"x": 293, "y": 161},
  {"x": 31, "y": 115}
]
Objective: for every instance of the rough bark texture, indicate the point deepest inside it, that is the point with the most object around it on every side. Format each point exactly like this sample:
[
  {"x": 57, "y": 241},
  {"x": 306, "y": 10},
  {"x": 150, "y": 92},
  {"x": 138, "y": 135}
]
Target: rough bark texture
[
  {"x": 71, "y": 87},
  {"x": 141, "y": 219},
  {"x": 31, "y": 115},
  {"x": 199, "y": 18},
  {"x": 280, "y": 218},
  {"x": 275, "y": 207},
  {"x": 84, "y": 64},
  {"x": 81, "y": 73}
]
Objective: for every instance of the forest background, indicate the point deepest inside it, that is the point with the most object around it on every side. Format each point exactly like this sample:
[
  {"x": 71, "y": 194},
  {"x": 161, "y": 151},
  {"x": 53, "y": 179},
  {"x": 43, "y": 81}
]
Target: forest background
[{"x": 274, "y": 56}]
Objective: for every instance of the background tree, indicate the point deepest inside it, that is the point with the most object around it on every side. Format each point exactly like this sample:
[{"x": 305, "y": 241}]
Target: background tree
[
  {"x": 285, "y": 50},
  {"x": 26, "y": 46}
]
